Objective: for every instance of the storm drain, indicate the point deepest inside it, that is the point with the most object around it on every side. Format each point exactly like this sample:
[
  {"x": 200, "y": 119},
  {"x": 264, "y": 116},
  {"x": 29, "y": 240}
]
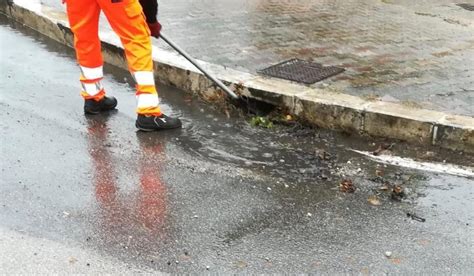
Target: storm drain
[
  {"x": 301, "y": 71},
  {"x": 466, "y": 6}
]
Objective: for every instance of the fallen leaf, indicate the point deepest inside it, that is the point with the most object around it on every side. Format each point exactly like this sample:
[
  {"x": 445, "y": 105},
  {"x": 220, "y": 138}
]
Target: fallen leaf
[
  {"x": 398, "y": 189},
  {"x": 346, "y": 186},
  {"x": 398, "y": 192},
  {"x": 374, "y": 200}
]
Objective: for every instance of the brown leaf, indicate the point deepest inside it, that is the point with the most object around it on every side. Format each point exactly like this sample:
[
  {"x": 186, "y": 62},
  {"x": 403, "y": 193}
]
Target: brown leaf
[
  {"x": 398, "y": 192},
  {"x": 398, "y": 189},
  {"x": 346, "y": 186}
]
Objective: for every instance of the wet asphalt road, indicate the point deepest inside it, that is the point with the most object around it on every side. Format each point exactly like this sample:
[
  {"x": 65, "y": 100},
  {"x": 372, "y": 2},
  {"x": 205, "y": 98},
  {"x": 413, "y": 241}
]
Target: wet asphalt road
[{"x": 90, "y": 194}]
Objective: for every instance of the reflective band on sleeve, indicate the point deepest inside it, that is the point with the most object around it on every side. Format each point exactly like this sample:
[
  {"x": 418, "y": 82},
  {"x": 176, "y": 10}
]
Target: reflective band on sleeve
[
  {"x": 92, "y": 89},
  {"x": 147, "y": 100},
  {"x": 92, "y": 73},
  {"x": 144, "y": 77}
]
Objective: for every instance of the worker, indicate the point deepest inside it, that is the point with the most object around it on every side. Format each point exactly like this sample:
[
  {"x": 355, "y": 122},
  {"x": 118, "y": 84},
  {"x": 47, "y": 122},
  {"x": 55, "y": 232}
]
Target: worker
[{"x": 127, "y": 19}]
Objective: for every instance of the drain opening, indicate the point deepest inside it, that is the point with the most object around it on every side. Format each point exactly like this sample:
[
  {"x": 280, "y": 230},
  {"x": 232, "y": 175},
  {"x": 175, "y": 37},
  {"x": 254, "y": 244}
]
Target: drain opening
[{"x": 301, "y": 71}]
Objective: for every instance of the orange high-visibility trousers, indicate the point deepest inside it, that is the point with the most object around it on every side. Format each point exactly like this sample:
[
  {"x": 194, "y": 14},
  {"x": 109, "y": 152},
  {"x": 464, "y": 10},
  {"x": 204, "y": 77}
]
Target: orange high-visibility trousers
[{"x": 128, "y": 21}]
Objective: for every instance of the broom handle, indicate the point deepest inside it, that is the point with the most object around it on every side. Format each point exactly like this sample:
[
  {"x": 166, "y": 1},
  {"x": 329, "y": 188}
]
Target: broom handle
[{"x": 194, "y": 62}]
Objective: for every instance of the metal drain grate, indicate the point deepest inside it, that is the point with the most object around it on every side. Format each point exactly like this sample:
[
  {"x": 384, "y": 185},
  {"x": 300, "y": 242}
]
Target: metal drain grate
[
  {"x": 301, "y": 71},
  {"x": 466, "y": 6}
]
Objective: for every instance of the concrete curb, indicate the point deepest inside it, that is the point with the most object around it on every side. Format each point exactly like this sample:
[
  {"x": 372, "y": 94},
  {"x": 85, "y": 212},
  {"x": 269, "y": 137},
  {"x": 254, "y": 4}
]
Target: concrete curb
[{"x": 318, "y": 107}]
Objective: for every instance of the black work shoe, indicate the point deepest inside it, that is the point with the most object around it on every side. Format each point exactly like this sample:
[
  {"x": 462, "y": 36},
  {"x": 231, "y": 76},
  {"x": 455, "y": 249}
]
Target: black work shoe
[
  {"x": 95, "y": 107},
  {"x": 152, "y": 123}
]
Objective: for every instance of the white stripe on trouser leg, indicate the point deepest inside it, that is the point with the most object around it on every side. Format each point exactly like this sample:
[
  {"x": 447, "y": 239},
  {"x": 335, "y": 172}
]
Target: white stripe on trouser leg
[
  {"x": 92, "y": 89},
  {"x": 144, "y": 77},
  {"x": 92, "y": 73},
  {"x": 147, "y": 100}
]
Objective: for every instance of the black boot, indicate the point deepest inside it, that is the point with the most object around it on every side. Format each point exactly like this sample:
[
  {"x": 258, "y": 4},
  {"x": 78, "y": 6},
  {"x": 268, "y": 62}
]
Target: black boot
[
  {"x": 152, "y": 123},
  {"x": 95, "y": 107}
]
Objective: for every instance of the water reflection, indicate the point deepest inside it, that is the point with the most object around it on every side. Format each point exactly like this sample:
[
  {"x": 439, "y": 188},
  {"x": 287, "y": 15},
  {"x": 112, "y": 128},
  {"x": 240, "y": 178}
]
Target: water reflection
[
  {"x": 122, "y": 213},
  {"x": 152, "y": 199}
]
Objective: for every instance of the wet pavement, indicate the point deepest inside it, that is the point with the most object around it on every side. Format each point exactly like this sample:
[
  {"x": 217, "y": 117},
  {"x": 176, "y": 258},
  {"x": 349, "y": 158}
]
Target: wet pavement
[
  {"x": 90, "y": 194},
  {"x": 416, "y": 52}
]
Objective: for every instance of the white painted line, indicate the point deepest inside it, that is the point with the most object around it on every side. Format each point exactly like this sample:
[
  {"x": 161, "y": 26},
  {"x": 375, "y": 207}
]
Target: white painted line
[
  {"x": 423, "y": 166},
  {"x": 235, "y": 157}
]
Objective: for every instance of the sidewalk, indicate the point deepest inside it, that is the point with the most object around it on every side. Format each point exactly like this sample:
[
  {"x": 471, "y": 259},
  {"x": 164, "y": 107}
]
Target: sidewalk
[
  {"x": 417, "y": 52},
  {"x": 421, "y": 53}
]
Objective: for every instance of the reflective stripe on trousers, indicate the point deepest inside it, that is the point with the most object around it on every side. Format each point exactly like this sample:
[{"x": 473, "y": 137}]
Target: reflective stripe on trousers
[{"x": 90, "y": 81}]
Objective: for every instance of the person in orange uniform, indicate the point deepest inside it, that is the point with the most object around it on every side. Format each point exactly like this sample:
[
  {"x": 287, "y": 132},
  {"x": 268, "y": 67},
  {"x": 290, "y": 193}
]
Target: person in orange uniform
[{"x": 127, "y": 19}]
